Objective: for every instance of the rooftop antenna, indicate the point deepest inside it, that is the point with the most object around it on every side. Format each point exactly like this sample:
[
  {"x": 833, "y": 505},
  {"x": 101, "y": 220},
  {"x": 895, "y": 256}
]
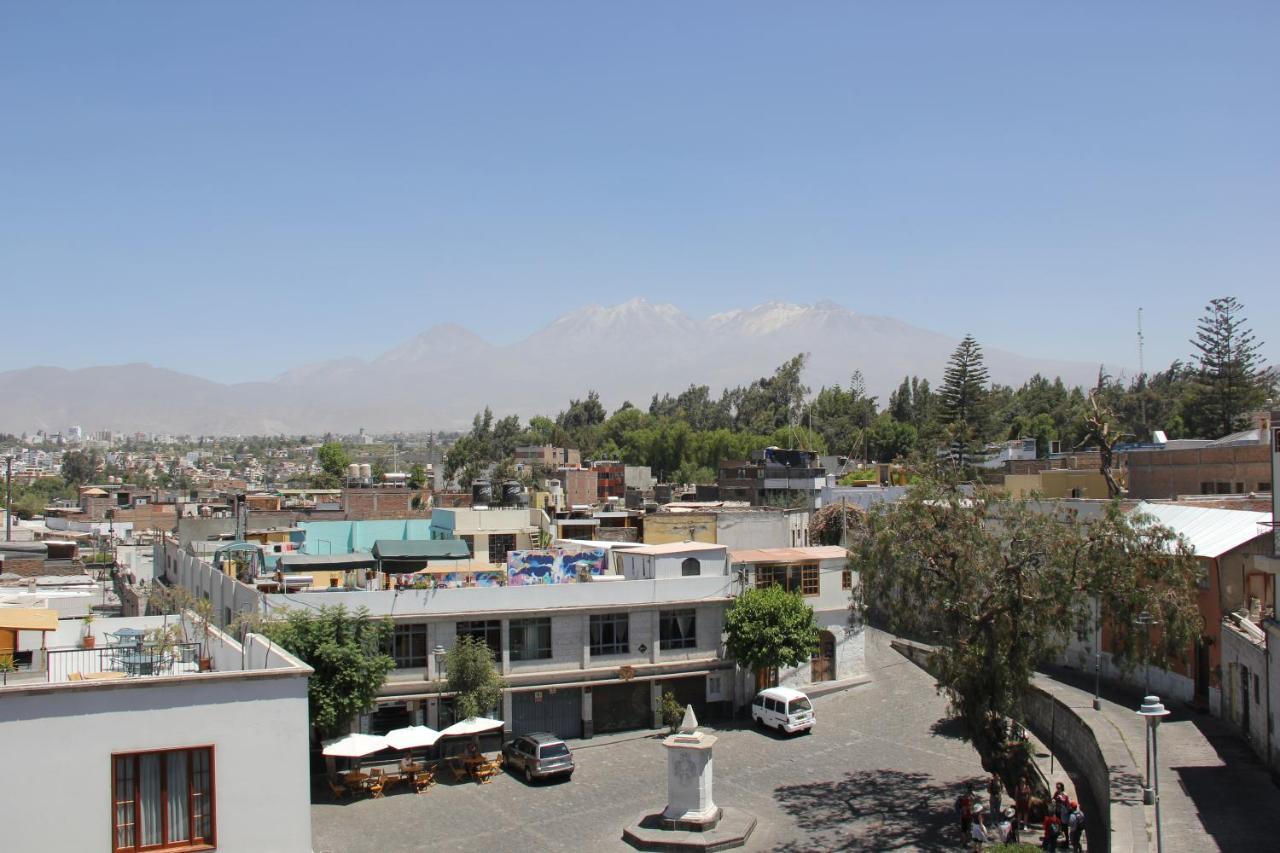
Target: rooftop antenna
[{"x": 1142, "y": 373}]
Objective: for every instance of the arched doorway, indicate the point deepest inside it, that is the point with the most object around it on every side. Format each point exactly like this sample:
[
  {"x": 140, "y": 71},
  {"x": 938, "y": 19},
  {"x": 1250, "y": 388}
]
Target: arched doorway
[{"x": 823, "y": 663}]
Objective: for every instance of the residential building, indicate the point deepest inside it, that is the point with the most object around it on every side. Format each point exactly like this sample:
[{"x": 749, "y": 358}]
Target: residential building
[
  {"x": 773, "y": 477},
  {"x": 578, "y": 657},
  {"x": 547, "y": 456},
  {"x": 822, "y": 577},
  {"x": 1235, "y": 464},
  {"x": 491, "y": 533},
  {"x": 580, "y": 485},
  {"x": 732, "y": 524},
  {"x": 1058, "y": 483},
  {"x": 160, "y": 756},
  {"x": 610, "y": 480}
]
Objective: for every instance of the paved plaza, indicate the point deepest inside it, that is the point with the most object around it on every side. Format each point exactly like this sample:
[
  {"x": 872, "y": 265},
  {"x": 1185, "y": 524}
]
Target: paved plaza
[{"x": 879, "y": 772}]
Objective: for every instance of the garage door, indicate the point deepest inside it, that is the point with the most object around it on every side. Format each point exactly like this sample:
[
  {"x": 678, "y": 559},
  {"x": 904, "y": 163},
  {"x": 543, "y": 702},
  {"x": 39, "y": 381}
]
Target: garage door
[
  {"x": 556, "y": 711},
  {"x": 689, "y": 691},
  {"x": 621, "y": 707}
]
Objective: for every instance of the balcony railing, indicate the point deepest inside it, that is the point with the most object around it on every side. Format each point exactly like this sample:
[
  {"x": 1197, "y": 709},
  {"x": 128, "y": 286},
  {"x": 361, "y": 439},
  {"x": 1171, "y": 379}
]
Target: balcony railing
[{"x": 125, "y": 661}]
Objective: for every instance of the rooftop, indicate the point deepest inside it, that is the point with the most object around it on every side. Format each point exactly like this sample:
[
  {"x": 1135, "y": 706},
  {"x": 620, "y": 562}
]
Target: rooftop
[
  {"x": 789, "y": 555},
  {"x": 1209, "y": 532},
  {"x": 677, "y": 548}
]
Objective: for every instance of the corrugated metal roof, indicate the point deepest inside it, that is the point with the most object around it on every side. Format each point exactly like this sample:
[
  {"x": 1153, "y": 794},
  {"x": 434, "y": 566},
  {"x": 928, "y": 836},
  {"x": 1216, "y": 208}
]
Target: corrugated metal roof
[{"x": 1210, "y": 532}]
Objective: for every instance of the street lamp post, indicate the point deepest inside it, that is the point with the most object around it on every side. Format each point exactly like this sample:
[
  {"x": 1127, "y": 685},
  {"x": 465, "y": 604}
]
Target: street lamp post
[
  {"x": 1153, "y": 711},
  {"x": 1145, "y": 620}
]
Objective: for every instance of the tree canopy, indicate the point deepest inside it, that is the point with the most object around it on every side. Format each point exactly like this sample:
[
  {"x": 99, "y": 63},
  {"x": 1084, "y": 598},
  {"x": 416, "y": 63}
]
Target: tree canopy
[
  {"x": 347, "y": 650},
  {"x": 473, "y": 677},
  {"x": 769, "y": 628},
  {"x": 1230, "y": 379},
  {"x": 998, "y": 584}
]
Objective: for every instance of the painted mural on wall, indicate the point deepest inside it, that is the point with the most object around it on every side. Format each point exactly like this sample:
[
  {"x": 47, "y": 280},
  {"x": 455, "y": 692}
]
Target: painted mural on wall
[{"x": 552, "y": 565}]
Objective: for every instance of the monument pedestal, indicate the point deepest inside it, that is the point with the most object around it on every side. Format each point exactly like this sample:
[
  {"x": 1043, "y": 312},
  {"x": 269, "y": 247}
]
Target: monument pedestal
[{"x": 691, "y": 820}]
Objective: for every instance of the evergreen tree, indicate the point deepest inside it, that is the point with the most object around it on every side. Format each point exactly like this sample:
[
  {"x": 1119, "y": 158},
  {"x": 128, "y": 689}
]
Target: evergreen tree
[
  {"x": 1230, "y": 370},
  {"x": 964, "y": 394}
]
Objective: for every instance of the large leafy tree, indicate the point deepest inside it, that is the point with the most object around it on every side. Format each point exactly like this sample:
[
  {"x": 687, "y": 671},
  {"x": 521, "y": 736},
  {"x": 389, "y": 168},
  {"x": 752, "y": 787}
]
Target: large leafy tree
[
  {"x": 996, "y": 585},
  {"x": 1230, "y": 369},
  {"x": 79, "y": 466},
  {"x": 964, "y": 395},
  {"x": 472, "y": 677},
  {"x": 347, "y": 650},
  {"x": 770, "y": 628},
  {"x": 333, "y": 461}
]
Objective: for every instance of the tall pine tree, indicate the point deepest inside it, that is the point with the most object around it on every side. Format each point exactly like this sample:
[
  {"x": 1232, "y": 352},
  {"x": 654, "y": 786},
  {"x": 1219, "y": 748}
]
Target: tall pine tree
[
  {"x": 1230, "y": 373},
  {"x": 964, "y": 395}
]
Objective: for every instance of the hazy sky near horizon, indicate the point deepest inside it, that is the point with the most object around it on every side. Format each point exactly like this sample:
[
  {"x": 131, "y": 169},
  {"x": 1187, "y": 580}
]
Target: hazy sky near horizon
[{"x": 233, "y": 189}]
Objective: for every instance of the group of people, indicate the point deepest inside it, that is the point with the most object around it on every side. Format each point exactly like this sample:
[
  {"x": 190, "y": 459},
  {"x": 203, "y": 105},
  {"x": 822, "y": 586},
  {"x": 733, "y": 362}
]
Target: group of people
[{"x": 1063, "y": 823}]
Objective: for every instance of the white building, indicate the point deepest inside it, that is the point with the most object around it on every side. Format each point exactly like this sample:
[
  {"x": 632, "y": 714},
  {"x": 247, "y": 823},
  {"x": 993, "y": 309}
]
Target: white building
[
  {"x": 822, "y": 577},
  {"x": 100, "y": 758}
]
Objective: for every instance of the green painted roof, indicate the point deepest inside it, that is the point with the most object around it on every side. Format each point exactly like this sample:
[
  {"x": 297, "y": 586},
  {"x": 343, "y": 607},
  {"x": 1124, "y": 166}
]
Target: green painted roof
[{"x": 421, "y": 549}]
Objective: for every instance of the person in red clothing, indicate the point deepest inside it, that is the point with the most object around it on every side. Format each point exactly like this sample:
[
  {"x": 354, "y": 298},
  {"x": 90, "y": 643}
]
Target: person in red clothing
[
  {"x": 1052, "y": 830},
  {"x": 964, "y": 810}
]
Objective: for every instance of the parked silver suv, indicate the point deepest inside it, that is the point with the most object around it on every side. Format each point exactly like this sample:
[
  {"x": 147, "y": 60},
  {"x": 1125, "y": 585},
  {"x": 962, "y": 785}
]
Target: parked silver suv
[{"x": 538, "y": 756}]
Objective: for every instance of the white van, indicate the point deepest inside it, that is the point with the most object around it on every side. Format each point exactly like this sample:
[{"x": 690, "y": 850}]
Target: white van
[{"x": 782, "y": 708}]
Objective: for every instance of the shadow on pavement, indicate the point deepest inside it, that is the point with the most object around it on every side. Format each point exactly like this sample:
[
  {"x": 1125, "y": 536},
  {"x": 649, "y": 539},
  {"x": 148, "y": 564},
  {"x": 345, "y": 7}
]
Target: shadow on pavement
[{"x": 875, "y": 810}]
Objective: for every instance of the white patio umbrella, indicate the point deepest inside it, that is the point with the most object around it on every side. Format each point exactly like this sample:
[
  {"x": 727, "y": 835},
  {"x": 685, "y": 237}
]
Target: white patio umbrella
[
  {"x": 354, "y": 745},
  {"x": 472, "y": 726},
  {"x": 412, "y": 737}
]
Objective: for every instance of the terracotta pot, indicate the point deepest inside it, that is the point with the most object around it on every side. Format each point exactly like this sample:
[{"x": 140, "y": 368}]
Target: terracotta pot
[
  {"x": 88, "y": 641},
  {"x": 206, "y": 664}
]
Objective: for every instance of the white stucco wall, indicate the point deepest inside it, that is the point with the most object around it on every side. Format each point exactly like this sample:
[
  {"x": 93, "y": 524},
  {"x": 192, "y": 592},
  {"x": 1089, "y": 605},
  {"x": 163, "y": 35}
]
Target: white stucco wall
[{"x": 62, "y": 738}]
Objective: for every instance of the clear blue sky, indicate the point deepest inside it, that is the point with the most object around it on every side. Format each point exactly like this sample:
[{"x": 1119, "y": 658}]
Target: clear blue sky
[{"x": 236, "y": 188}]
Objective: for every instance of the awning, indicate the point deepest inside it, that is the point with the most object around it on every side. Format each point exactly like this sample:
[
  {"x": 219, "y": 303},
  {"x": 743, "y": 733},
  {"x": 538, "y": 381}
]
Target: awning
[
  {"x": 29, "y": 618},
  {"x": 421, "y": 549}
]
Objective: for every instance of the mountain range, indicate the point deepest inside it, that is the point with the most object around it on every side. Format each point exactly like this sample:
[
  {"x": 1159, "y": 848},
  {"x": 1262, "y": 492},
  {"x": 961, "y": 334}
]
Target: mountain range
[{"x": 440, "y": 378}]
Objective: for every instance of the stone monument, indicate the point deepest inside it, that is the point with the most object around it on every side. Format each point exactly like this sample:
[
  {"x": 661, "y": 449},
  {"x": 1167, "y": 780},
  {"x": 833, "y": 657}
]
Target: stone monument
[{"x": 691, "y": 819}]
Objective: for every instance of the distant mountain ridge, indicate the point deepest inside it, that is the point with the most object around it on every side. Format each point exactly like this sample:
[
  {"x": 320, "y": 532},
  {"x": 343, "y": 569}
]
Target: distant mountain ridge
[{"x": 440, "y": 378}]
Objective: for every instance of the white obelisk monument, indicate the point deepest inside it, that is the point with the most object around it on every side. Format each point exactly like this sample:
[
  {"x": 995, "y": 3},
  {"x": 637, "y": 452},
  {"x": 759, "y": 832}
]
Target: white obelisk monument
[{"x": 689, "y": 774}]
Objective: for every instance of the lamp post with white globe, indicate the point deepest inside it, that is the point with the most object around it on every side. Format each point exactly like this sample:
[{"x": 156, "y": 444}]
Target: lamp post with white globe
[{"x": 1153, "y": 711}]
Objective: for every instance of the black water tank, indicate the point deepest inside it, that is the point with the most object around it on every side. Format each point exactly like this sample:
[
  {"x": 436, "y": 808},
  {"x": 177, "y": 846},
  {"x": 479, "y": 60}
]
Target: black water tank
[
  {"x": 511, "y": 490},
  {"x": 481, "y": 493}
]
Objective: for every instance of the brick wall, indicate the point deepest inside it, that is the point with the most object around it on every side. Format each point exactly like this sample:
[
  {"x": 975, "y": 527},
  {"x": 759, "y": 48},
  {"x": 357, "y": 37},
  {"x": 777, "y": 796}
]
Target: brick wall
[
  {"x": 363, "y": 504},
  {"x": 1168, "y": 473}
]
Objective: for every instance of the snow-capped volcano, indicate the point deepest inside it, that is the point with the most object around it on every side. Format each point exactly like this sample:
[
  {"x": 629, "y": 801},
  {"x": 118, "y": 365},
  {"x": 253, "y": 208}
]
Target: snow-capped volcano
[{"x": 440, "y": 378}]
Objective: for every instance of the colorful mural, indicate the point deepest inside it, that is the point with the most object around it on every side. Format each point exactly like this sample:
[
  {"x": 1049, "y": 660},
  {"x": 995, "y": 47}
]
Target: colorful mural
[{"x": 552, "y": 565}]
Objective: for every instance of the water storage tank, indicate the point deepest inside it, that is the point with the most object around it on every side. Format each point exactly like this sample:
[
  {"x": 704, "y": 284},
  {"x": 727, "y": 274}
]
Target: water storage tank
[
  {"x": 366, "y": 471},
  {"x": 353, "y": 471},
  {"x": 481, "y": 493},
  {"x": 511, "y": 493}
]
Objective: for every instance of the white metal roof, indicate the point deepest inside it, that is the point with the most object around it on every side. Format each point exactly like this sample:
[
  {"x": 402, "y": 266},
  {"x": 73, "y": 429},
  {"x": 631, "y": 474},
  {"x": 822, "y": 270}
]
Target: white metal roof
[{"x": 1210, "y": 532}]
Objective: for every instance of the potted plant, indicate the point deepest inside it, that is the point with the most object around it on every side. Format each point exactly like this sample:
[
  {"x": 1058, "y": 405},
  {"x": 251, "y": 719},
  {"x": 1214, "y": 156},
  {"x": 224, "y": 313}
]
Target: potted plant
[
  {"x": 203, "y": 609},
  {"x": 88, "y": 641}
]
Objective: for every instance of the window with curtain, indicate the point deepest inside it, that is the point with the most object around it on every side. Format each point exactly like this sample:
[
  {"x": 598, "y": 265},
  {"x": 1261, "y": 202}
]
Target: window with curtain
[
  {"x": 530, "y": 639},
  {"x": 409, "y": 645},
  {"x": 163, "y": 800},
  {"x": 678, "y": 629},
  {"x": 609, "y": 634}
]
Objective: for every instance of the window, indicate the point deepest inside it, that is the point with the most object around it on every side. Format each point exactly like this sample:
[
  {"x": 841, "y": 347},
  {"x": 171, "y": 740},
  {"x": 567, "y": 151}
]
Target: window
[
  {"x": 1264, "y": 487},
  {"x": 846, "y": 578},
  {"x": 691, "y": 567},
  {"x": 609, "y": 634},
  {"x": 499, "y": 545},
  {"x": 531, "y": 639},
  {"x": 471, "y": 543},
  {"x": 1206, "y": 488},
  {"x": 678, "y": 629},
  {"x": 487, "y": 631},
  {"x": 802, "y": 579},
  {"x": 163, "y": 800},
  {"x": 409, "y": 646}
]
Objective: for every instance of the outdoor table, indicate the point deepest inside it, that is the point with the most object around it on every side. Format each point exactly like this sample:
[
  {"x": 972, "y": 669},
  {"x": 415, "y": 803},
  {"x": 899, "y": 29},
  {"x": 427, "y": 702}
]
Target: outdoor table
[
  {"x": 473, "y": 762},
  {"x": 141, "y": 663}
]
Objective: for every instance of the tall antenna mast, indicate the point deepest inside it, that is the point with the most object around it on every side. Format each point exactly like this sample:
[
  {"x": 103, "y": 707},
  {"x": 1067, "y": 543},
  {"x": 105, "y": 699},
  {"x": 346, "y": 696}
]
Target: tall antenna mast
[{"x": 1142, "y": 373}]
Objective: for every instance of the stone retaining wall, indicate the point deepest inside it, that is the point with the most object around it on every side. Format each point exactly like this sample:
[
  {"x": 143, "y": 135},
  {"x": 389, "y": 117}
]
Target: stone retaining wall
[{"x": 1087, "y": 742}]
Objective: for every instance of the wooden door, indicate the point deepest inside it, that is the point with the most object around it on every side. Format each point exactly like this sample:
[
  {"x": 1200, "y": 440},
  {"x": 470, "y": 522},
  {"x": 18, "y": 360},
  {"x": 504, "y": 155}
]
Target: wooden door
[{"x": 822, "y": 665}]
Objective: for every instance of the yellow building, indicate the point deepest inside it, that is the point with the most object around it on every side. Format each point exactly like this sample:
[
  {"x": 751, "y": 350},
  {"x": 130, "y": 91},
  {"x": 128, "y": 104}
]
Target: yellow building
[{"x": 1057, "y": 483}]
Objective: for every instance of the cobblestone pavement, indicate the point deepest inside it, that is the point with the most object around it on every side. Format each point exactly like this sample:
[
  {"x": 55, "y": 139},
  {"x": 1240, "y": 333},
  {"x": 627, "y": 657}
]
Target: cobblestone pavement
[{"x": 879, "y": 772}]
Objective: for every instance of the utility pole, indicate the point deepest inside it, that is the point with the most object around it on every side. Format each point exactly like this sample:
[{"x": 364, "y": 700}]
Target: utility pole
[{"x": 8, "y": 498}]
